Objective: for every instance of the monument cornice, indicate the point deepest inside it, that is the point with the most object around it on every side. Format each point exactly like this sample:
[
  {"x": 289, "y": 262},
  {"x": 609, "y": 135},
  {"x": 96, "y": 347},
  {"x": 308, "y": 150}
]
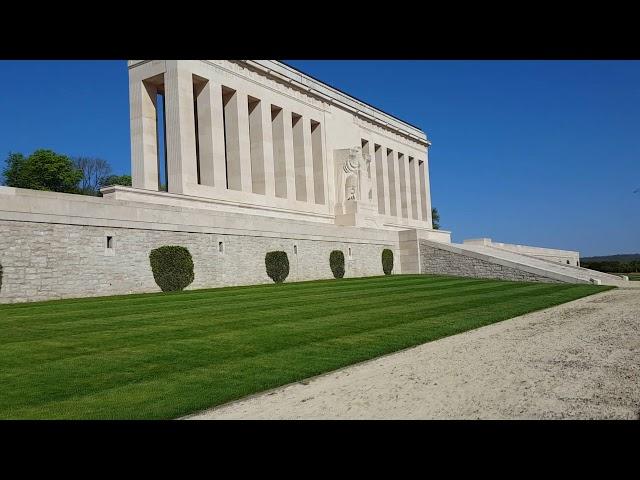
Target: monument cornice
[{"x": 338, "y": 98}]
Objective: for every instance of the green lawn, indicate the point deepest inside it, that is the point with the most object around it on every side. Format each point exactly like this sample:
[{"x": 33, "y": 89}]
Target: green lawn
[{"x": 166, "y": 355}]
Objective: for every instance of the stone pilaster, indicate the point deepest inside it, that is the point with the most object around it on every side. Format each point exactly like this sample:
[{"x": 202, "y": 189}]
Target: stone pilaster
[
  {"x": 144, "y": 140},
  {"x": 308, "y": 158},
  {"x": 180, "y": 131}
]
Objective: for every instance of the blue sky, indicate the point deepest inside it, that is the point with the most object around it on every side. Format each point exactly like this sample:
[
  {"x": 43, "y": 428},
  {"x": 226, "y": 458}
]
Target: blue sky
[{"x": 536, "y": 152}]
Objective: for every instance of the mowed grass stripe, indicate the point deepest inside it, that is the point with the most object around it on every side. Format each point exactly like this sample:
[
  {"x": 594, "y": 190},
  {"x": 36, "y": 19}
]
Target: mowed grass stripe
[
  {"x": 215, "y": 318},
  {"x": 186, "y": 296},
  {"x": 220, "y": 346},
  {"x": 201, "y": 339},
  {"x": 252, "y": 324},
  {"x": 205, "y": 313},
  {"x": 74, "y": 309},
  {"x": 205, "y": 358},
  {"x": 64, "y": 315}
]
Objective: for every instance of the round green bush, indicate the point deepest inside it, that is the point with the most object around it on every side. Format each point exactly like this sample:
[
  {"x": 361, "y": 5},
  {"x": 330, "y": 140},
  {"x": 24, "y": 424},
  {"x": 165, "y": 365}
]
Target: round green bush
[
  {"x": 172, "y": 267},
  {"x": 336, "y": 262},
  {"x": 277, "y": 264},
  {"x": 387, "y": 261}
]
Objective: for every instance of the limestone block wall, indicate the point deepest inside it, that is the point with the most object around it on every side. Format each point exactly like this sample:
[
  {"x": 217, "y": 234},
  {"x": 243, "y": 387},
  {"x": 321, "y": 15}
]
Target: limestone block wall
[
  {"x": 43, "y": 261},
  {"x": 444, "y": 262}
]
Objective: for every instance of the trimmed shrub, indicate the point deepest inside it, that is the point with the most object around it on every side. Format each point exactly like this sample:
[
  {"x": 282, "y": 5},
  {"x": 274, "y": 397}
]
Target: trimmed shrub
[
  {"x": 387, "y": 261},
  {"x": 336, "y": 262},
  {"x": 277, "y": 264},
  {"x": 172, "y": 267}
]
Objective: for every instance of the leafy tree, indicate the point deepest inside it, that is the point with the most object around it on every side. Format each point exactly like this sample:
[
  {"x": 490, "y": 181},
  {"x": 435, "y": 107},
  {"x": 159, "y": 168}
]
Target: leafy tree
[
  {"x": 435, "y": 218},
  {"x": 42, "y": 170},
  {"x": 94, "y": 171},
  {"x": 124, "y": 180},
  {"x": 13, "y": 169}
]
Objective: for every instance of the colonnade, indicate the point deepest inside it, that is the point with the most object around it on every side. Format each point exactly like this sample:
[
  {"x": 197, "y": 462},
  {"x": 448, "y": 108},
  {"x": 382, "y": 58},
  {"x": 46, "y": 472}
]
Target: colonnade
[
  {"x": 218, "y": 136},
  {"x": 401, "y": 182}
]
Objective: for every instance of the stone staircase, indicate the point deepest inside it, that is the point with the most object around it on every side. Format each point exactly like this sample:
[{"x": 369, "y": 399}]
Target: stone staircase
[
  {"x": 489, "y": 262},
  {"x": 581, "y": 271}
]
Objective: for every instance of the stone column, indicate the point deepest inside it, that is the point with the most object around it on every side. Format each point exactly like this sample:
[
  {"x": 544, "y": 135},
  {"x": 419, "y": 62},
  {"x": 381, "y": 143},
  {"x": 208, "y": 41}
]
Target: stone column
[
  {"x": 397, "y": 185},
  {"x": 256, "y": 139},
  {"x": 288, "y": 154},
  {"x": 267, "y": 142},
  {"x": 392, "y": 175},
  {"x": 427, "y": 195},
  {"x": 404, "y": 186},
  {"x": 319, "y": 168},
  {"x": 144, "y": 139},
  {"x": 308, "y": 159},
  {"x": 381, "y": 157},
  {"x": 280, "y": 165},
  {"x": 180, "y": 131},
  {"x": 416, "y": 186},
  {"x": 214, "y": 97},
  {"x": 206, "y": 145},
  {"x": 245, "y": 142},
  {"x": 407, "y": 181},
  {"x": 425, "y": 201},
  {"x": 374, "y": 177}
]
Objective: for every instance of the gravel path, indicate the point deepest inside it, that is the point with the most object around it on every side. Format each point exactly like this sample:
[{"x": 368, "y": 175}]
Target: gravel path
[{"x": 577, "y": 360}]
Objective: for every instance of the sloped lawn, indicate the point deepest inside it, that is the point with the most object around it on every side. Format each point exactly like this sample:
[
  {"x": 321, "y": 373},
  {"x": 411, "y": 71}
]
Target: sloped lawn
[{"x": 166, "y": 355}]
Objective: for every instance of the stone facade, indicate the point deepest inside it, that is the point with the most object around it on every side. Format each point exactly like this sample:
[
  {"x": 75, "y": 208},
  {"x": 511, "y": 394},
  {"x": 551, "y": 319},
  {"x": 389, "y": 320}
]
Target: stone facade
[
  {"x": 444, "y": 262},
  {"x": 45, "y": 261},
  {"x": 258, "y": 157},
  {"x": 260, "y": 134}
]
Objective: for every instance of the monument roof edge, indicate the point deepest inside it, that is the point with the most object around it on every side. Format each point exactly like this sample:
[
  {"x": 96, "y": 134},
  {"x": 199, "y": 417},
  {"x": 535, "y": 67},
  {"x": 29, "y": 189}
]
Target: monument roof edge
[
  {"x": 326, "y": 90},
  {"x": 340, "y": 95}
]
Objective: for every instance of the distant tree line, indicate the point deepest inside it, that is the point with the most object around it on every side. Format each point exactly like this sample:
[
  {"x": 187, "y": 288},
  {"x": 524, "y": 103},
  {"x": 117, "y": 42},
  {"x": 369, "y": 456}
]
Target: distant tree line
[
  {"x": 48, "y": 170},
  {"x": 631, "y": 266}
]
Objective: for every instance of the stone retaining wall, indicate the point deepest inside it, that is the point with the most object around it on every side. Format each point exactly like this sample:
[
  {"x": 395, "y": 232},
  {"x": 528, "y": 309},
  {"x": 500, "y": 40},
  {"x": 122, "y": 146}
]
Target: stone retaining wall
[
  {"x": 443, "y": 262},
  {"x": 43, "y": 261}
]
